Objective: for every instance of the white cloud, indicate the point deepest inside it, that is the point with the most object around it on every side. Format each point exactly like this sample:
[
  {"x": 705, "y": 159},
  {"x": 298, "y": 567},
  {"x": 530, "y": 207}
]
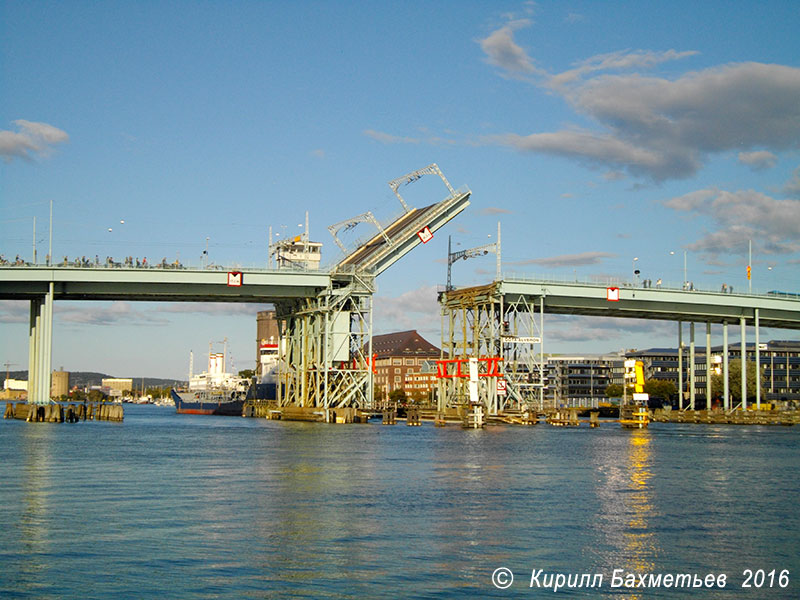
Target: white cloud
[
  {"x": 14, "y": 311},
  {"x": 32, "y": 139},
  {"x": 660, "y": 128},
  {"x": 772, "y": 224},
  {"x": 213, "y": 308},
  {"x": 792, "y": 187},
  {"x": 494, "y": 210},
  {"x": 116, "y": 313},
  {"x": 758, "y": 160},
  {"x": 566, "y": 328},
  {"x": 416, "y": 309},
  {"x": 621, "y": 60},
  {"x": 587, "y": 147},
  {"x": 387, "y": 138},
  {"x": 568, "y": 260},
  {"x": 502, "y": 51}
]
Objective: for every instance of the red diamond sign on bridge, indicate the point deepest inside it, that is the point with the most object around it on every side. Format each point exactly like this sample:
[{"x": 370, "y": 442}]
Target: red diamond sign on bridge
[{"x": 425, "y": 235}]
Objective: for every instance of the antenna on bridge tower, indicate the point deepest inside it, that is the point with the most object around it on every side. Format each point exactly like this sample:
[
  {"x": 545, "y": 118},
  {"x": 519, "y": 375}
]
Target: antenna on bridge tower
[{"x": 472, "y": 253}]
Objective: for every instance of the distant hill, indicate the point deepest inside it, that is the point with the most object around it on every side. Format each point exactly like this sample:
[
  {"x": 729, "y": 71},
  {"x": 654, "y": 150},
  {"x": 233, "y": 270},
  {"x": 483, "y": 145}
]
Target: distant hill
[{"x": 88, "y": 378}]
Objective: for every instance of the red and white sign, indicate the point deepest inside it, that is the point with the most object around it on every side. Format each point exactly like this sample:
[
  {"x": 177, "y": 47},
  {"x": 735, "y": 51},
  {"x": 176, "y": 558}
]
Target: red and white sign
[
  {"x": 612, "y": 294},
  {"x": 235, "y": 279},
  {"x": 501, "y": 387},
  {"x": 425, "y": 235}
]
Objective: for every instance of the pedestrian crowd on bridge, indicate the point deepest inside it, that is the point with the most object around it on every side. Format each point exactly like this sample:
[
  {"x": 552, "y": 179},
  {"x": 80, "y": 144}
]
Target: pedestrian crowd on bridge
[{"x": 109, "y": 262}]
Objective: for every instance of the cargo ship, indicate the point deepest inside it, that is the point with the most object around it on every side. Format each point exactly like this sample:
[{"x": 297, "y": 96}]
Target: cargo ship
[
  {"x": 209, "y": 402},
  {"x": 213, "y": 392}
]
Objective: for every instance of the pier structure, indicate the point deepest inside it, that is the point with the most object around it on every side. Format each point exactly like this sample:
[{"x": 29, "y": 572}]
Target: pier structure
[
  {"x": 505, "y": 335},
  {"x": 324, "y": 315},
  {"x": 505, "y": 319}
]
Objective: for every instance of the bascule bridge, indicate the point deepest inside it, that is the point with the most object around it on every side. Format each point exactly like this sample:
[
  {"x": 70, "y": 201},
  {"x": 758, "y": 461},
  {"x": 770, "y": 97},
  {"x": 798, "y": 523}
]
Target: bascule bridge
[{"x": 325, "y": 317}]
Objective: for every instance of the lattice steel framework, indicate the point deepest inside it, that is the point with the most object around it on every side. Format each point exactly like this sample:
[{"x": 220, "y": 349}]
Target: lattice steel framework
[
  {"x": 326, "y": 358},
  {"x": 481, "y": 322}
]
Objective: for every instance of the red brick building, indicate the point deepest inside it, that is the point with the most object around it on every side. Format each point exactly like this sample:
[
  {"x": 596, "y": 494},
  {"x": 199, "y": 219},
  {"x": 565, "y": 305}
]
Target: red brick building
[{"x": 399, "y": 355}]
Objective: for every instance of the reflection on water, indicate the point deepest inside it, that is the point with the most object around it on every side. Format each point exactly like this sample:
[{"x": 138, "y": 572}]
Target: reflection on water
[
  {"x": 627, "y": 542},
  {"x": 35, "y": 511},
  {"x": 210, "y": 507}
]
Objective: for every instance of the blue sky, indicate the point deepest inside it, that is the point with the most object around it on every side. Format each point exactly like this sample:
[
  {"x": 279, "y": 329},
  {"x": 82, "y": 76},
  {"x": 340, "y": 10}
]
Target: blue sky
[{"x": 594, "y": 132}]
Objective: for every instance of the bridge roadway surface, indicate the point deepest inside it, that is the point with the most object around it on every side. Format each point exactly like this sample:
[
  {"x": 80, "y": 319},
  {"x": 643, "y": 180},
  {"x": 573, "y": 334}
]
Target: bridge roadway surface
[
  {"x": 646, "y": 303},
  {"x": 207, "y": 285},
  {"x": 157, "y": 284}
]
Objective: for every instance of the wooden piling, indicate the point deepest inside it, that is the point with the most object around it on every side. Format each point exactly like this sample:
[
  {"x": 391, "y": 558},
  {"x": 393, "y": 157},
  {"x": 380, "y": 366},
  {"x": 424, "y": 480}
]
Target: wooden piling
[{"x": 412, "y": 417}]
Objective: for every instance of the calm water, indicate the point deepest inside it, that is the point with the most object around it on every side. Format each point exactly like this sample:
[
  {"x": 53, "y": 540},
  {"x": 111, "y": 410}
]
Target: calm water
[{"x": 181, "y": 506}]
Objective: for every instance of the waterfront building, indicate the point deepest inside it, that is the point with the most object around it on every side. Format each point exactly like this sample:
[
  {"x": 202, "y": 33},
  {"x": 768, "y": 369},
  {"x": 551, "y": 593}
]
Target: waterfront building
[
  {"x": 580, "y": 381},
  {"x": 14, "y": 389},
  {"x": 398, "y": 355},
  {"x": 117, "y": 386},
  {"x": 779, "y": 359},
  {"x": 59, "y": 384},
  {"x": 422, "y": 384}
]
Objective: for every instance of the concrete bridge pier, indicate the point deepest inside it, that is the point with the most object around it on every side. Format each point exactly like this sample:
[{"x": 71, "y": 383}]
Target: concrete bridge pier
[{"x": 40, "y": 336}]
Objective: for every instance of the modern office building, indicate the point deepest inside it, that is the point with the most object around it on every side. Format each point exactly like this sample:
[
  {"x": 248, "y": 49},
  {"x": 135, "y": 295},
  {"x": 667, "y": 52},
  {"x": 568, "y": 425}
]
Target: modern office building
[
  {"x": 580, "y": 380},
  {"x": 779, "y": 360}
]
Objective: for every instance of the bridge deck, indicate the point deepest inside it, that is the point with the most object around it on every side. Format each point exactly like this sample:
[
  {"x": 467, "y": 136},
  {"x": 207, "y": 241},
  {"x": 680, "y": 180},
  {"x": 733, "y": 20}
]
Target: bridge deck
[
  {"x": 192, "y": 285},
  {"x": 641, "y": 303},
  {"x": 363, "y": 252}
]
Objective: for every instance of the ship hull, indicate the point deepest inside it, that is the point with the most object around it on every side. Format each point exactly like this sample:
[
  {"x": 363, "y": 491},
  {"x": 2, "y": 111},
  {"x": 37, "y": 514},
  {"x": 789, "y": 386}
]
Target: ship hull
[{"x": 188, "y": 403}]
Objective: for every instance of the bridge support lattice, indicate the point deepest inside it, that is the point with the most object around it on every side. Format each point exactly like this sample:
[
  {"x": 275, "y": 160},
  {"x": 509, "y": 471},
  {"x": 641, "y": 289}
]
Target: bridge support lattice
[
  {"x": 326, "y": 358},
  {"x": 482, "y": 322}
]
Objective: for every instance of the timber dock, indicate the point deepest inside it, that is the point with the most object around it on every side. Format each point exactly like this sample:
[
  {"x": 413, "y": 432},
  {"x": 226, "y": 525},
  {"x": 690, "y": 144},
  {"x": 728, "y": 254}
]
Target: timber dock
[
  {"x": 64, "y": 413},
  {"x": 731, "y": 417}
]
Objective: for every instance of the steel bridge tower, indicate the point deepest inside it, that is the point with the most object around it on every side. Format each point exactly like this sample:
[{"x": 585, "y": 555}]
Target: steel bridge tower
[
  {"x": 327, "y": 359},
  {"x": 506, "y": 335}
]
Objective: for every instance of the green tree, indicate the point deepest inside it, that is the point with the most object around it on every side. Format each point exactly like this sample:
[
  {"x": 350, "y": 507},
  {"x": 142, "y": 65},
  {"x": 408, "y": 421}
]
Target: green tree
[
  {"x": 735, "y": 382},
  {"x": 247, "y": 374},
  {"x": 660, "y": 388},
  {"x": 398, "y": 395},
  {"x": 614, "y": 390}
]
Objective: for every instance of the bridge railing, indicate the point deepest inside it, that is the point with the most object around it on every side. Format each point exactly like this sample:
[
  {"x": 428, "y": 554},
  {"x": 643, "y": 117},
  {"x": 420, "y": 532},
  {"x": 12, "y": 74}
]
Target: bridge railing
[
  {"x": 621, "y": 282},
  {"x": 162, "y": 266}
]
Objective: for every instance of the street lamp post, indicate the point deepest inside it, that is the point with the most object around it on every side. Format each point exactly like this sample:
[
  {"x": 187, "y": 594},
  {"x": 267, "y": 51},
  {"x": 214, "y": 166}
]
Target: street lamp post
[
  {"x": 685, "y": 278},
  {"x": 635, "y": 270}
]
